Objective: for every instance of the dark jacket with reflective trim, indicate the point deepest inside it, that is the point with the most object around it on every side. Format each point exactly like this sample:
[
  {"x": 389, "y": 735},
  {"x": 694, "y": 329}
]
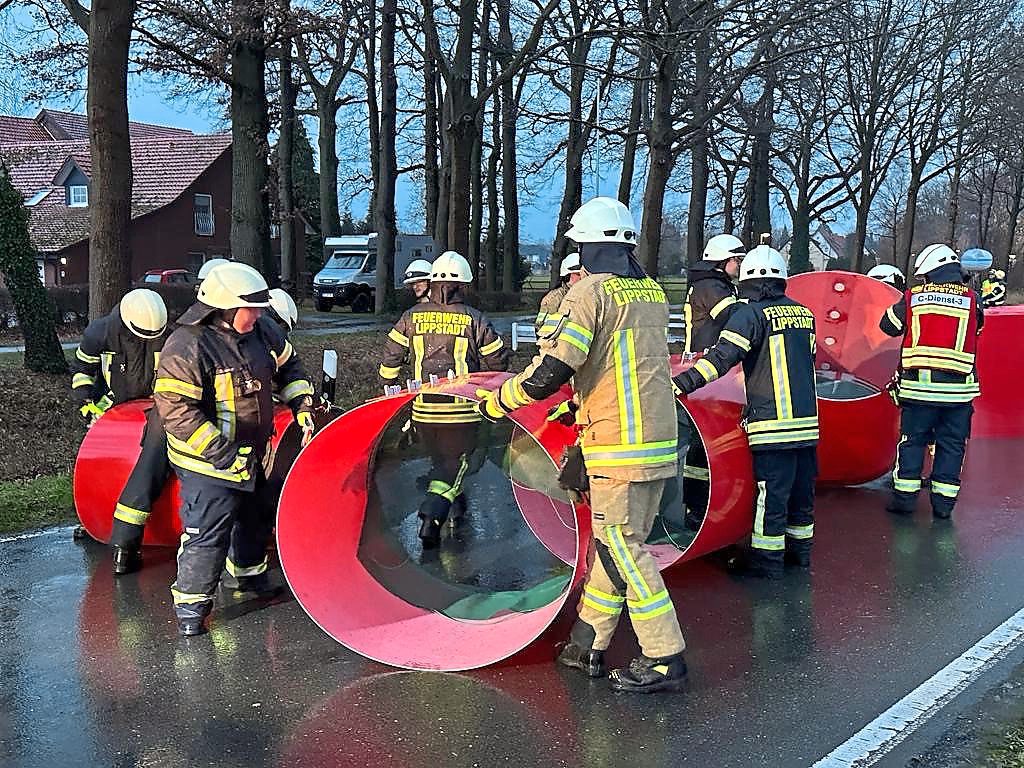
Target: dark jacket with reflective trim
[
  {"x": 710, "y": 300},
  {"x": 214, "y": 391},
  {"x": 112, "y": 361},
  {"x": 937, "y": 383},
  {"x": 434, "y": 338},
  {"x": 774, "y": 339}
]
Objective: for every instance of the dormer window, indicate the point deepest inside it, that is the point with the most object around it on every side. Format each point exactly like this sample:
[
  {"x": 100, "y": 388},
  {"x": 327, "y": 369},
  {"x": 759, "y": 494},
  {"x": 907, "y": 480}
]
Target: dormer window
[{"x": 78, "y": 196}]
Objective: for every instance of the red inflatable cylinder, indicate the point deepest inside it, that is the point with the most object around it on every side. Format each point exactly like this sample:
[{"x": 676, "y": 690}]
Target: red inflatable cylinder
[
  {"x": 998, "y": 412},
  {"x": 106, "y": 459}
]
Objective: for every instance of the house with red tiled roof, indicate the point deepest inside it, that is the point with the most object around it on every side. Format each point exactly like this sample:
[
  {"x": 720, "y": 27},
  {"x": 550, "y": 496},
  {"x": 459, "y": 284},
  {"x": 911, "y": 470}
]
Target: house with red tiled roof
[{"x": 181, "y": 194}]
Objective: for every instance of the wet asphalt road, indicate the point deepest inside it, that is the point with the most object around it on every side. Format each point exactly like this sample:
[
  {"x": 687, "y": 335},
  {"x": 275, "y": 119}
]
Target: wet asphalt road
[{"x": 93, "y": 674}]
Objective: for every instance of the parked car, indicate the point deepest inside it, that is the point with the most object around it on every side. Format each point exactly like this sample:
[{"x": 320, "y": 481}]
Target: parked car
[{"x": 170, "y": 277}]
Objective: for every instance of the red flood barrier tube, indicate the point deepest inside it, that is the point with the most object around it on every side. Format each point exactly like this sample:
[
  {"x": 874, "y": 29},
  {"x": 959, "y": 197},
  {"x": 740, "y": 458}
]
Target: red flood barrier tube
[
  {"x": 858, "y": 421},
  {"x": 998, "y": 412},
  {"x": 347, "y": 534},
  {"x": 106, "y": 459}
]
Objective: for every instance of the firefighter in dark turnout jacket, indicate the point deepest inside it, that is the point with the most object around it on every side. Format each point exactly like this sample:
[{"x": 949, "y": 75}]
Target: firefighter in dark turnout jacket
[
  {"x": 710, "y": 300},
  {"x": 214, "y": 388},
  {"x": 115, "y": 362},
  {"x": 610, "y": 339},
  {"x": 773, "y": 336},
  {"x": 939, "y": 321},
  {"x": 435, "y": 337}
]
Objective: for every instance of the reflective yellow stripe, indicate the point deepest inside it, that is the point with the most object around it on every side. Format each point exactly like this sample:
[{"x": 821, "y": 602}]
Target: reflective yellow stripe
[
  {"x": 296, "y": 388},
  {"x": 417, "y": 357},
  {"x": 178, "y": 387},
  {"x": 906, "y": 486},
  {"x": 624, "y": 559},
  {"x": 949, "y": 490},
  {"x": 200, "y": 467},
  {"x": 780, "y": 376},
  {"x": 433, "y": 418},
  {"x": 82, "y": 380},
  {"x": 512, "y": 394},
  {"x": 202, "y": 437},
  {"x": 758, "y": 539},
  {"x": 662, "y": 452},
  {"x": 398, "y": 337},
  {"x": 706, "y": 370},
  {"x": 734, "y": 338},
  {"x": 769, "y": 543},
  {"x": 696, "y": 473},
  {"x": 387, "y": 372},
  {"x": 688, "y": 323},
  {"x": 894, "y": 319},
  {"x": 461, "y": 350},
  {"x": 494, "y": 346},
  {"x": 106, "y": 358},
  {"x": 655, "y": 605},
  {"x": 251, "y": 570},
  {"x": 447, "y": 406},
  {"x": 224, "y": 388},
  {"x": 577, "y": 335},
  {"x": 602, "y": 595},
  {"x": 952, "y": 354},
  {"x": 129, "y": 515},
  {"x": 770, "y": 425},
  {"x": 86, "y": 358},
  {"x": 630, "y": 417},
  {"x": 716, "y": 310},
  {"x": 937, "y": 363},
  {"x": 800, "y": 531},
  {"x": 187, "y": 598},
  {"x": 285, "y": 355},
  {"x": 775, "y": 438}
]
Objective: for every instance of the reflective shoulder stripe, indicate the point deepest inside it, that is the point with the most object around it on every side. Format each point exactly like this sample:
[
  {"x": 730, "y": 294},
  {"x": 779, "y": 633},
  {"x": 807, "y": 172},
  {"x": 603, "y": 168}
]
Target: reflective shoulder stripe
[
  {"x": 577, "y": 335},
  {"x": 494, "y": 346},
  {"x": 297, "y": 388},
  {"x": 734, "y": 338},
  {"x": 721, "y": 306},
  {"x": 82, "y": 380},
  {"x": 389, "y": 372},
  {"x": 398, "y": 337},
  {"x": 178, "y": 387},
  {"x": 894, "y": 319},
  {"x": 286, "y": 354},
  {"x": 86, "y": 358}
]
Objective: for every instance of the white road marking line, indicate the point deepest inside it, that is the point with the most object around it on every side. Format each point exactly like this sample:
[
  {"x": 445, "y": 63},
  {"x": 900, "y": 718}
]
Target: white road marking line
[
  {"x": 891, "y": 727},
  {"x": 36, "y": 534}
]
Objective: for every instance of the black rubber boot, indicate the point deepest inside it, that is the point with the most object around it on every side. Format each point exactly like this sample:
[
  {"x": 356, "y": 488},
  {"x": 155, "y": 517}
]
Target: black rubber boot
[
  {"x": 430, "y": 532},
  {"x": 942, "y": 512},
  {"x": 763, "y": 566},
  {"x": 458, "y": 511},
  {"x": 902, "y": 503},
  {"x": 192, "y": 619},
  {"x": 693, "y": 520},
  {"x": 126, "y": 560},
  {"x": 800, "y": 556},
  {"x": 646, "y": 675},
  {"x": 578, "y": 652},
  {"x": 433, "y": 514},
  {"x": 259, "y": 584}
]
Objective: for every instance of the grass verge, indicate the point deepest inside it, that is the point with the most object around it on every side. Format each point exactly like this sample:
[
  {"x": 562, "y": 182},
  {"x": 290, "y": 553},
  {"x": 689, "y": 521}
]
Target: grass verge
[{"x": 37, "y": 503}]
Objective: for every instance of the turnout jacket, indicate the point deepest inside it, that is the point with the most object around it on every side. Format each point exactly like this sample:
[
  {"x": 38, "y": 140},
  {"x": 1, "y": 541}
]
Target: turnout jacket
[
  {"x": 710, "y": 300},
  {"x": 993, "y": 292},
  {"x": 549, "y": 305},
  {"x": 774, "y": 339},
  {"x": 436, "y": 337},
  {"x": 940, "y": 322},
  {"x": 112, "y": 365},
  {"x": 610, "y": 336},
  {"x": 214, "y": 391}
]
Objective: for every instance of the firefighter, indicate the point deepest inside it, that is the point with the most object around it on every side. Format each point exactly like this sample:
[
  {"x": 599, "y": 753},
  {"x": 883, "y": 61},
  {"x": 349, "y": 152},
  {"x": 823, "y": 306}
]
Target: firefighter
[
  {"x": 773, "y": 337},
  {"x": 569, "y": 274},
  {"x": 217, "y": 374},
  {"x": 890, "y": 275},
  {"x": 939, "y": 321},
  {"x": 609, "y": 337},
  {"x": 283, "y": 310},
  {"x": 710, "y": 299},
  {"x": 993, "y": 289},
  {"x": 440, "y": 335},
  {"x": 417, "y": 277},
  {"x": 115, "y": 362}
]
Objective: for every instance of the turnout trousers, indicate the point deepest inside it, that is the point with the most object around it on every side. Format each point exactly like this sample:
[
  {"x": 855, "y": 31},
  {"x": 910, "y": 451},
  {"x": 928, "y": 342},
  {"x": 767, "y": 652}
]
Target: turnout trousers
[
  {"x": 784, "y": 507},
  {"x": 144, "y": 486},
  {"x": 223, "y": 528},
  {"x": 450, "y": 447},
  {"x": 622, "y": 573},
  {"x": 947, "y": 426}
]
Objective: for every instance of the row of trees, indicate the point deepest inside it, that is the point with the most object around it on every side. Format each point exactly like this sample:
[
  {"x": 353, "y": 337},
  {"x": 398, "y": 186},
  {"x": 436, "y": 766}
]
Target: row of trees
[{"x": 899, "y": 116}]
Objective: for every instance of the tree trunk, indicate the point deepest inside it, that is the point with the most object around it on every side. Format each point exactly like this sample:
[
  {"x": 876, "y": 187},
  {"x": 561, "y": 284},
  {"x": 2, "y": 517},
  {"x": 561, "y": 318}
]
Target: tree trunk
[
  {"x": 373, "y": 113},
  {"x": 285, "y": 155},
  {"x": 387, "y": 161},
  {"x": 1016, "y": 203},
  {"x": 954, "y": 205},
  {"x": 509, "y": 159},
  {"x": 698, "y": 197},
  {"x": 461, "y": 129},
  {"x": 800, "y": 244},
  {"x": 476, "y": 192},
  {"x": 633, "y": 129},
  {"x": 905, "y": 238},
  {"x": 250, "y": 211},
  {"x": 430, "y": 169},
  {"x": 330, "y": 217},
  {"x": 760, "y": 208},
  {"x": 444, "y": 180},
  {"x": 32, "y": 304},
  {"x": 110, "y": 190},
  {"x": 493, "y": 204},
  {"x": 662, "y": 161},
  {"x": 728, "y": 204}
]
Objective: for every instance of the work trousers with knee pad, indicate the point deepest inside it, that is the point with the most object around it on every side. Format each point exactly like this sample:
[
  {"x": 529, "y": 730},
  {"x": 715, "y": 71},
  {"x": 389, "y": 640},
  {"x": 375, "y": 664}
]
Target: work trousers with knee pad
[
  {"x": 450, "y": 447},
  {"x": 223, "y": 528},
  {"x": 623, "y": 573},
  {"x": 144, "y": 486},
  {"x": 784, "y": 507},
  {"x": 947, "y": 426}
]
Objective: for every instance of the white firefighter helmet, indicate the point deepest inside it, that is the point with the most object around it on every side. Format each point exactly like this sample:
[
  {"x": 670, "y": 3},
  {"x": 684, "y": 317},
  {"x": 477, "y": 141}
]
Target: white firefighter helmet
[
  {"x": 763, "y": 262},
  {"x": 932, "y": 257},
  {"x": 418, "y": 270},
  {"x": 723, "y": 248},
  {"x": 450, "y": 267},
  {"x": 602, "y": 220},
  {"x": 887, "y": 273},
  {"x": 998, "y": 274},
  {"x": 284, "y": 306},
  {"x": 571, "y": 263},
  {"x": 209, "y": 266},
  {"x": 234, "y": 285},
  {"x": 144, "y": 312}
]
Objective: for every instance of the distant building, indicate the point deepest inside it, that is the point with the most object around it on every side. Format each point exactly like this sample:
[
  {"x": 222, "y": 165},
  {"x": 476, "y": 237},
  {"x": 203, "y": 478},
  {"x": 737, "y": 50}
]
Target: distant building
[
  {"x": 537, "y": 255},
  {"x": 825, "y": 246}
]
